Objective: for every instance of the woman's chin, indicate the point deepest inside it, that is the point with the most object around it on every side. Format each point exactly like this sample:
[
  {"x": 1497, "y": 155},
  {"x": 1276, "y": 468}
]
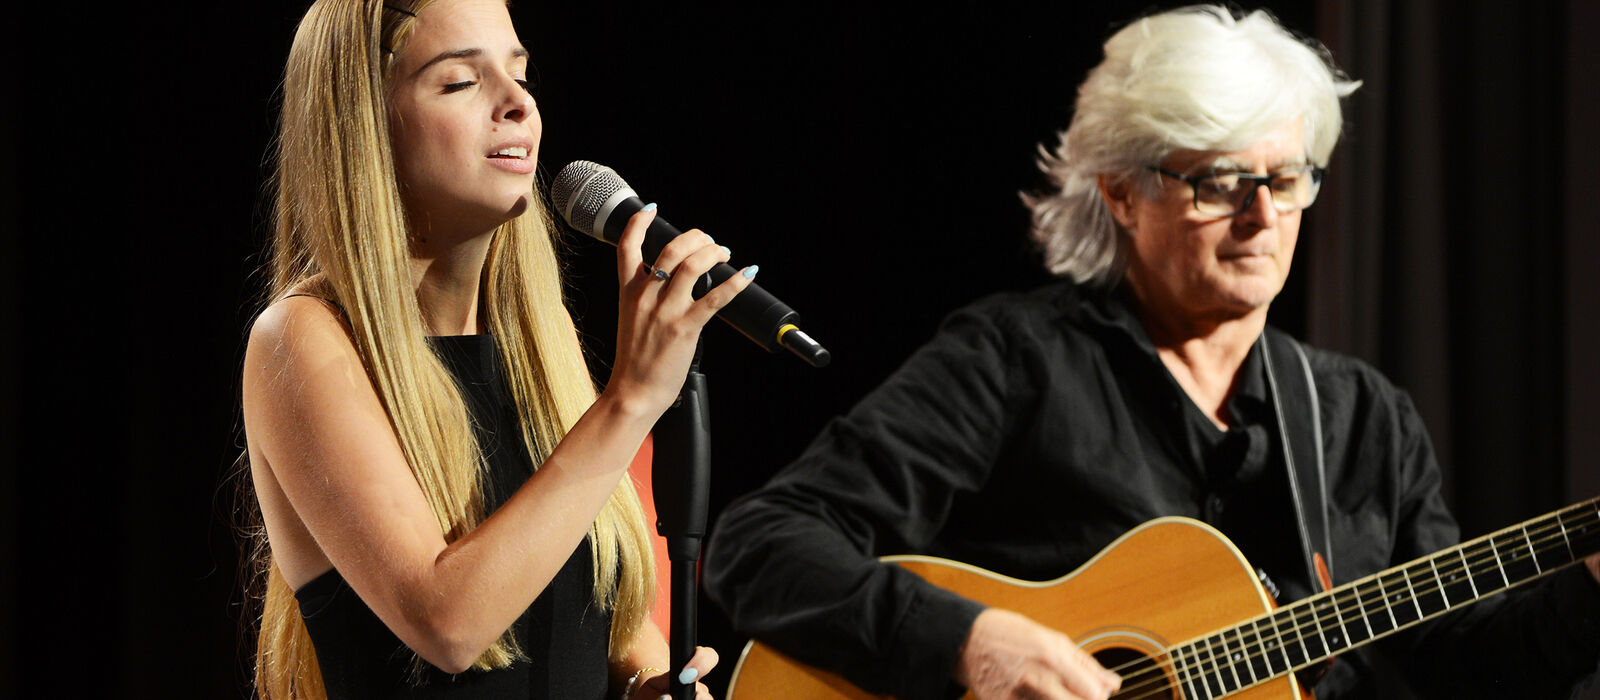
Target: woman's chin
[{"x": 519, "y": 207}]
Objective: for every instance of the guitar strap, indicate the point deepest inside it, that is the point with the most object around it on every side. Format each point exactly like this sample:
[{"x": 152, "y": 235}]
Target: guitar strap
[{"x": 1295, "y": 405}]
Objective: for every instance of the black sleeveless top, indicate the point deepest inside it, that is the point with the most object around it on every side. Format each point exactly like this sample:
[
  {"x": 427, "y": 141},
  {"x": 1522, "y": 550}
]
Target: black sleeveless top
[{"x": 563, "y": 634}]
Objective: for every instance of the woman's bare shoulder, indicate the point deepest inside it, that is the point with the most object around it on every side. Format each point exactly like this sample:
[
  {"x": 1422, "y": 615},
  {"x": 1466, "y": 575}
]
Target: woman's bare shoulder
[{"x": 300, "y": 326}]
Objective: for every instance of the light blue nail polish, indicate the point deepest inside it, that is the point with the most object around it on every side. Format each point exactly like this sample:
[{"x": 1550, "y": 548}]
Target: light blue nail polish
[
  {"x": 727, "y": 252},
  {"x": 649, "y": 207},
  {"x": 665, "y": 697},
  {"x": 688, "y": 675},
  {"x": 750, "y": 272},
  {"x": 709, "y": 239}
]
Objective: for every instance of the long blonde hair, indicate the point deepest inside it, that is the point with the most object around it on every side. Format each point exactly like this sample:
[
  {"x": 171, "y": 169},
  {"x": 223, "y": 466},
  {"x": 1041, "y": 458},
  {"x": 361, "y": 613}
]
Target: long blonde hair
[{"x": 340, "y": 223}]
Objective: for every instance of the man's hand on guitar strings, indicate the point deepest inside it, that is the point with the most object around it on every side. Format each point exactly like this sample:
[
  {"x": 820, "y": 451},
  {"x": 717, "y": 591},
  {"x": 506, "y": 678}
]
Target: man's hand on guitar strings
[
  {"x": 1008, "y": 655},
  {"x": 1593, "y": 564}
]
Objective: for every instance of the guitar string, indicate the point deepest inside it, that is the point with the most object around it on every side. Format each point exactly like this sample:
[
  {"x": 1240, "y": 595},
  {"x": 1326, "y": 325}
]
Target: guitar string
[
  {"x": 1212, "y": 664},
  {"x": 1551, "y": 529},
  {"x": 1215, "y": 669},
  {"x": 1484, "y": 554}
]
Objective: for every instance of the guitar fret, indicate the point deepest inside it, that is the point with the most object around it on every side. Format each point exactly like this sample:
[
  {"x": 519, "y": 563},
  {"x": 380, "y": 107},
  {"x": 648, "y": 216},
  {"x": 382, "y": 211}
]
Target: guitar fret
[
  {"x": 1467, "y": 567},
  {"x": 1185, "y": 676},
  {"x": 1431, "y": 593},
  {"x": 1387, "y": 606},
  {"x": 1217, "y": 672},
  {"x": 1202, "y": 655},
  {"x": 1232, "y": 670},
  {"x": 1414, "y": 602},
  {"x": 1322, "y": 635},
  {"x": 1565, "y": 538},
  {"x": 1399, "y": 592},
  {"x": 1236, "y": 656},
  {"x": 1459, "y": 592},
  {"x": 1195, "y": 670},
  {"x": 1499, "y": 563},
  {"x": 1305, "y": 622},
  {"x": 1265, "y": 644},
  {"x": 1189, "y": 678},
  {"x": 1583, "y": 529},
  {"x": 1533, "y": 552},
  {"x": 1246, "y": 653},
  {"x": 1342, "y": 637},
  {"x": 1283, "y": 648},
  {"x": 1256, "y": 653},
  {"x": 1362, "y": 608},
  {"x": 1442, "y": 594},
  {"x": 1517, "y": 567}
]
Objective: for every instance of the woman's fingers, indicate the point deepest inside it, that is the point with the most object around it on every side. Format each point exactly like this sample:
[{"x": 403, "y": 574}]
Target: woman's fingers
[
  {"x": 680, "y": 249},
  {"x": 629, "y": 255},
  {"x": 721, "y": 295},
  {"x": 686, "y": 274},
  {"x": 701, "y": 664},
  {"x": 704, "y": 659},
  {"x": 681, "y": 265}
]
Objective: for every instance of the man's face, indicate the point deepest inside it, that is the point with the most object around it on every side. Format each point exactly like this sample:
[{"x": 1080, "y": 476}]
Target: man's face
[{"x": 1208, "y": 267}]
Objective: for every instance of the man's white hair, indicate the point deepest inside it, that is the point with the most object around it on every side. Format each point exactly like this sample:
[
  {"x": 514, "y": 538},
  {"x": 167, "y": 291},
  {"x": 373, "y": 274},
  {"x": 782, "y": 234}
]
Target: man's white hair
[{"x": 1196, "y": 78}]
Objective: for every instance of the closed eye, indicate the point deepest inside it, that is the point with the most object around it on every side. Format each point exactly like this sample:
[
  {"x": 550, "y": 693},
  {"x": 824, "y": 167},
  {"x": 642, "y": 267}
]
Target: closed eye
[{"x": 457, "y": 87}]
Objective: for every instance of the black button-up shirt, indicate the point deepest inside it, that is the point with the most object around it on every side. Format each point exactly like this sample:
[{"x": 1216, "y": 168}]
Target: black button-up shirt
[{"x": 1034, "y": 430}]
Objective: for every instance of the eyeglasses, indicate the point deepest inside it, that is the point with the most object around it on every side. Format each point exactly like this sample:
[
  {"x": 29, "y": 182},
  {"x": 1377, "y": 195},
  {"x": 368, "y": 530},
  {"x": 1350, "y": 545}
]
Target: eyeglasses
[{"x": 1227, "y": 194}]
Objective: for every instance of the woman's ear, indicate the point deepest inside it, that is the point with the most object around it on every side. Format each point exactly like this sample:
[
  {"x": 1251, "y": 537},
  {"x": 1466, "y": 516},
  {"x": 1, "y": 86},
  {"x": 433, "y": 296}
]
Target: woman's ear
[{"x": 1118, "y": 194}]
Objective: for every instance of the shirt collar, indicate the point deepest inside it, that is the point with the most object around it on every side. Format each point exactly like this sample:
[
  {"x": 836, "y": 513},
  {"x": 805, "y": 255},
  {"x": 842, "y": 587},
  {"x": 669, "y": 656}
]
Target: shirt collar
[{"x": 1109, "y": 308}]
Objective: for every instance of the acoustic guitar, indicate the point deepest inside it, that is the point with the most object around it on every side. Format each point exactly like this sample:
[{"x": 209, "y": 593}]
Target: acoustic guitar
[{"x": 1173, "y": 607}]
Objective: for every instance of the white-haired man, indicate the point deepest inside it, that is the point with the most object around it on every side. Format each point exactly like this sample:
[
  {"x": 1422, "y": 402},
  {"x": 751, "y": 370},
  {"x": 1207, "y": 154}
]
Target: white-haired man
[{"x": 1037, "y": 428}]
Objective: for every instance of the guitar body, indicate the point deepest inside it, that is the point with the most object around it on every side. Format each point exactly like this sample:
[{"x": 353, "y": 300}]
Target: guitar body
[{"x": 1168, "y": 581}]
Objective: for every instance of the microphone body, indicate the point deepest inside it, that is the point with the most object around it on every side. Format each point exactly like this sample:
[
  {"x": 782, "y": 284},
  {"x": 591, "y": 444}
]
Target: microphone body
[{"x": 595, "y": 200}]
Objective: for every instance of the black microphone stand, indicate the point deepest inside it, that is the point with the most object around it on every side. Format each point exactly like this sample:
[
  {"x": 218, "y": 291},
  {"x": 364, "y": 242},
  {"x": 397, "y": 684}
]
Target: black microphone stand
[{"x": 681, "y": 481}]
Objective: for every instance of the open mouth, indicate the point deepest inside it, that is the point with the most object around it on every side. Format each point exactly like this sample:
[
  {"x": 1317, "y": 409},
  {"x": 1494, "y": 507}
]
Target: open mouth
[{"x": 512, "y": 152}]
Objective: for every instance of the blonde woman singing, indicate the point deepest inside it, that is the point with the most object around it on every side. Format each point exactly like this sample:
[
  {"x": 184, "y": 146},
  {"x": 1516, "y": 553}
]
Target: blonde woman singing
[{"x": 443, "y": 494}]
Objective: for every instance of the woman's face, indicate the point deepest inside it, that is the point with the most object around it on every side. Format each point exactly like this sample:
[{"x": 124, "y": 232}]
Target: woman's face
[{"x": 465, "y": 129}]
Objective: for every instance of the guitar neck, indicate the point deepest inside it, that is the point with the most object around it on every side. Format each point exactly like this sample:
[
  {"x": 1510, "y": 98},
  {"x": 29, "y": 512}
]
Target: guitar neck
[{"x": 1310, "y": 631}]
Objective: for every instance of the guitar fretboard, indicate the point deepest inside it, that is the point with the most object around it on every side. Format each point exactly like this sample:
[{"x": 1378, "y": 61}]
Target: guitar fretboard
[{"x": 1311, "y": 630}]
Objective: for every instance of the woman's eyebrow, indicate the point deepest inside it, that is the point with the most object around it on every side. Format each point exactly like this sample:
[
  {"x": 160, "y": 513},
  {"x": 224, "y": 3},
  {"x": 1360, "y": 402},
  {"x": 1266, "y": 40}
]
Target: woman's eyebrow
[
  {"x": 447, "y": 55},
  {"x": 518, "y": 52}
]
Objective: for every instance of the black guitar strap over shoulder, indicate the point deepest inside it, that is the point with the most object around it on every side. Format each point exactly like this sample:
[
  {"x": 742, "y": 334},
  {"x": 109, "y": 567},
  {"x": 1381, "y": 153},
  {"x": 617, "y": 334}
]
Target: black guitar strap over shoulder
[{"x": 1294, "y": 402}]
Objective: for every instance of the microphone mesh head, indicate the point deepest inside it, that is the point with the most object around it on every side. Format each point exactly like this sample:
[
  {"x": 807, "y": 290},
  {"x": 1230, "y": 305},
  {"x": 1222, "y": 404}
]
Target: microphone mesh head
[{"x": 580, "y": 189}]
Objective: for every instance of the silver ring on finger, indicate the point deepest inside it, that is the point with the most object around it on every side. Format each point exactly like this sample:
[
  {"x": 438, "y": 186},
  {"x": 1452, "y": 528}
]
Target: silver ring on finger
[{"x": 657, "y": 272}]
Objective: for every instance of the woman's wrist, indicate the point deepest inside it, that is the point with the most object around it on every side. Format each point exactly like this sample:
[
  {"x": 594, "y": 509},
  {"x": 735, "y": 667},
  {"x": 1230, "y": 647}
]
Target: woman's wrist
[
  {"x": 637, "y": 678},
  {"x": 628, "y": 407}
]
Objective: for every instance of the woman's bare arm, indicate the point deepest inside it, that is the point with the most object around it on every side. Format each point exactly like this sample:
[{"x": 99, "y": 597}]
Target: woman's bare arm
[{"x": 315, "y": 421}]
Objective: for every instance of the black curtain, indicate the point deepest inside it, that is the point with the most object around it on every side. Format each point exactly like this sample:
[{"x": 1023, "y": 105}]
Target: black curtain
[
  {"x": 1456, "y": 252},
  {"x": 1458, "y": 248}
]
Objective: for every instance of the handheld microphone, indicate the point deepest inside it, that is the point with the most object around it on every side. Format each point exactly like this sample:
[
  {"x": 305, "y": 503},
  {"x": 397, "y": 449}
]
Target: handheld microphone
[{"x": 595, "y": 200}]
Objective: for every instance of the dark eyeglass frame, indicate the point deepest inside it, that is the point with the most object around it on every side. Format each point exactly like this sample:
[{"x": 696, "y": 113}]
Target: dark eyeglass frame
[{"x": 1193, "y": 181}]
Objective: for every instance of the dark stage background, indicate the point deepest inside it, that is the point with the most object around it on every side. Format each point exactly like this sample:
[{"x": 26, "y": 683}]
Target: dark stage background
[{"x": 867, "y": 157}]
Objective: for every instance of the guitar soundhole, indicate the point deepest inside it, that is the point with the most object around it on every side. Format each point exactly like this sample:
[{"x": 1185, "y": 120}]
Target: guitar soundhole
[{"x": 1142, "y": 677}]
